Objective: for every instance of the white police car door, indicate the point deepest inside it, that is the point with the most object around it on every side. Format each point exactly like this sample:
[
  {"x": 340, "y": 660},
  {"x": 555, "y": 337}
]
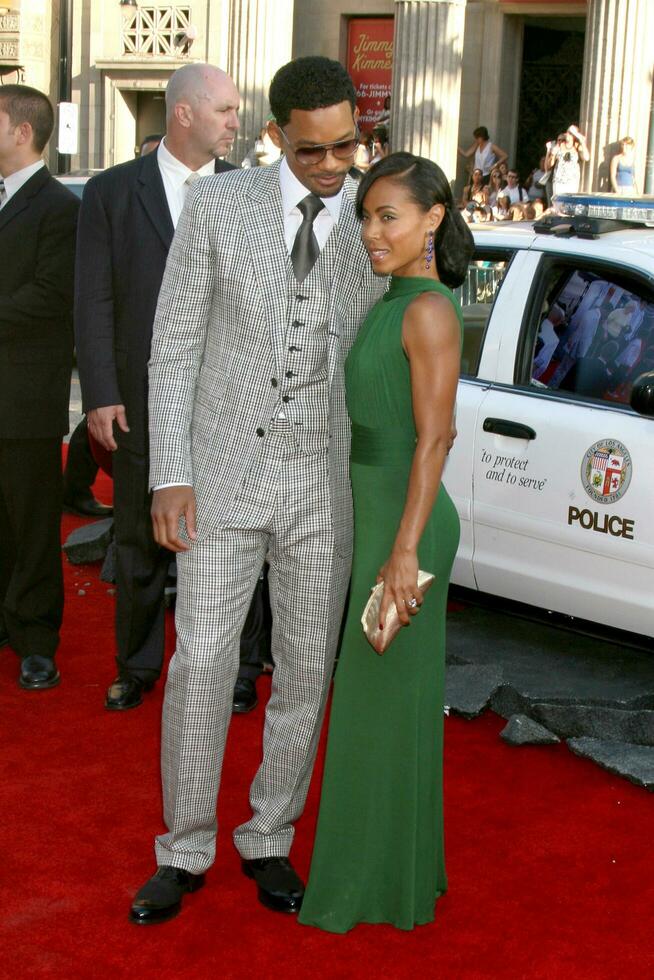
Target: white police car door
[
  {"x": 479, "y": 295},
  {"x": 563, "y": 470}
]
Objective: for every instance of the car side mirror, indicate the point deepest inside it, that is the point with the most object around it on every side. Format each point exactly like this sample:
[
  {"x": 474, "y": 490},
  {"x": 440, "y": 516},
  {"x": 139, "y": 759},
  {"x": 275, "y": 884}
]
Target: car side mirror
[{"x": 642, "y": 394}]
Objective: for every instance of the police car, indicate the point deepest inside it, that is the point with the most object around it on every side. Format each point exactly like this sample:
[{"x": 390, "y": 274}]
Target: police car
[
  {"x": 77, "y": 180},
  {"x": 552, "y": 472}
]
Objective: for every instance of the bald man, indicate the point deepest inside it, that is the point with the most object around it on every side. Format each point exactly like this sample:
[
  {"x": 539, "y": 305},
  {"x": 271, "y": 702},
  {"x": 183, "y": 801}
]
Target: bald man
[{"x": 127, "y": 220}]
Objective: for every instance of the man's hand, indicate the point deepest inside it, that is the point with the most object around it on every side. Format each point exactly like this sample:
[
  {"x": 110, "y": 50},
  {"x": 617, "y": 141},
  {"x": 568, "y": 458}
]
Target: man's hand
[
  {"x": 101, "y": 424},
  {"x": 168, "y": 505}
]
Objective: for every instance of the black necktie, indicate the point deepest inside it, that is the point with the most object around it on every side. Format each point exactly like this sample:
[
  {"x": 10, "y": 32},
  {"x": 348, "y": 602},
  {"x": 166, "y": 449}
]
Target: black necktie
[{"x": 305, "y": 247}]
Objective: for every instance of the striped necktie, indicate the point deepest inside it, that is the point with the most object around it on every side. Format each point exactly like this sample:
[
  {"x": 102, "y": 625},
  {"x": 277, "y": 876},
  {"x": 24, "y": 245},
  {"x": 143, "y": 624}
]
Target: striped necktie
[{"x": 3, "y": 192}]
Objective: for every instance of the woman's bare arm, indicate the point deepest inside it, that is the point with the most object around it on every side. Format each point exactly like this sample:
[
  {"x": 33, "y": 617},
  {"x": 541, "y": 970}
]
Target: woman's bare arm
[{"x": 431, "y": 337}]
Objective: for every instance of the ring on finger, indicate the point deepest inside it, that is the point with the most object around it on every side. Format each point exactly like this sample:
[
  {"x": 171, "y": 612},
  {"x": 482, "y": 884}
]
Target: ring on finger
[{"x": 412, "y": 603}]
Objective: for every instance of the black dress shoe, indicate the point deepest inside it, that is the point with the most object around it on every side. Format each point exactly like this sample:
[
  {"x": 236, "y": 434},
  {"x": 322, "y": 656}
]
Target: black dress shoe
[
  {"x": 245, "y": 696},
  {"x": 160, "y": 898},
  {"x": 126, "y": 692},
  {"x": 4, "y": 638},
  {"x": 280, "y": 888},
  {"x": 87, "y": 506},
  {"x": 38, "y": 673}
]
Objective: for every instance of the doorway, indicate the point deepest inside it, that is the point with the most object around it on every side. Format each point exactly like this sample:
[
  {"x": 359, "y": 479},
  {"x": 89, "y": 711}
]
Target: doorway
[
  {"x": 150, "y": 115},
  {"x": 550, "y": 90}
]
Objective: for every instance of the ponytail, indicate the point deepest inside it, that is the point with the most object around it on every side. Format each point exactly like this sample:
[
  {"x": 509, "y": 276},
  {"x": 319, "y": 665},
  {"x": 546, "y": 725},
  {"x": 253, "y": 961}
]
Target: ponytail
[
  {"x": 428, "y": 185},
  {"x": 453, "y": 248}
]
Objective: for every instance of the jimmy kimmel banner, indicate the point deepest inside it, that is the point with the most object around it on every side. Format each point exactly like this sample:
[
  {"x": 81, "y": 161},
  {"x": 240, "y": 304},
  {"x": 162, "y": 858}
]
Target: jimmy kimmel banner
[{"x": 370, "y": 63}]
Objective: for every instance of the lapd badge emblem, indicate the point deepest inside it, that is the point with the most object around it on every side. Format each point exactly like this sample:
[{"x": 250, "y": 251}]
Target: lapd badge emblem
[{"x": 606, "y": 471}]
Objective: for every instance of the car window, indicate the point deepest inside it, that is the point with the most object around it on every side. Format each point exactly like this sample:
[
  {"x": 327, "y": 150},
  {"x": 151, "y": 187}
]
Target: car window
[
  {"x": 595, "y": 336},
  {"x": 476, "y": 296}
]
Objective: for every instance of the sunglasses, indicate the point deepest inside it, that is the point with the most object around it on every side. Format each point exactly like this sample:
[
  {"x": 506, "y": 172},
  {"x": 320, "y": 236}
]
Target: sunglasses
[{"x": 308, "y": 155}]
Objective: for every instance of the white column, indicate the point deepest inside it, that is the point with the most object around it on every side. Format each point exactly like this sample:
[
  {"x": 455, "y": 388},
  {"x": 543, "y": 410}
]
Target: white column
[
  {"x": 427, "y": 55},
  {"x": 617, "y": 83},
  {"x": 260, "y": 34}
]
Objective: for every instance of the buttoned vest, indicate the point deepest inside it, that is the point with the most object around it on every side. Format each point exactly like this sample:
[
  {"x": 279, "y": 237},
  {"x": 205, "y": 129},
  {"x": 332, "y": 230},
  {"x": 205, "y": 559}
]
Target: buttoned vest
[{"x": 303, "y": 387}]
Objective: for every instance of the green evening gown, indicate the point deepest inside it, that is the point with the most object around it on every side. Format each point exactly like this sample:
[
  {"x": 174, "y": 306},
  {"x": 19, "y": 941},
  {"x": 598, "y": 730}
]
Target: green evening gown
[{"x": 378, "y": 854}]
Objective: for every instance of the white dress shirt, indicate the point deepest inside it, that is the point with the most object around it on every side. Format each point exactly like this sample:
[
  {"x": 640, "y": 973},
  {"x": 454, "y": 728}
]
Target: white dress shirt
[
  {"x": 15, "y": 181},
  {"x": 174, "y": 174}
]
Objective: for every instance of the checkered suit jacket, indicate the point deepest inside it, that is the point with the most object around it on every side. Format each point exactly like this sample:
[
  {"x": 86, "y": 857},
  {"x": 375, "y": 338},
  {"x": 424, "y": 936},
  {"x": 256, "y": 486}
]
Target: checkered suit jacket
[{"x": 219, "y": 338}]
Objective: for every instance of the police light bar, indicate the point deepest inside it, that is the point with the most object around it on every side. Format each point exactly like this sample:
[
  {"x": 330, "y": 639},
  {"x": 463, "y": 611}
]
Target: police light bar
[{"x": 635, "y": 210}]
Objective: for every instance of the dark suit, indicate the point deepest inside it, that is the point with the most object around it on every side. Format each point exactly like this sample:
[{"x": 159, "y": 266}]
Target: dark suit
[
  {"x": 37, "y": 250},
  {"x": 125, "y": 231}
]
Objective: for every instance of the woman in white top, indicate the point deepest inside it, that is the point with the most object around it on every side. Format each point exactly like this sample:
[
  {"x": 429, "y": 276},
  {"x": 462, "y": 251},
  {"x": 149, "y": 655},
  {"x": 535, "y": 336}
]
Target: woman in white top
[
  {"x": 486, "y": 154},
  {"x": 563, "y": 158}
]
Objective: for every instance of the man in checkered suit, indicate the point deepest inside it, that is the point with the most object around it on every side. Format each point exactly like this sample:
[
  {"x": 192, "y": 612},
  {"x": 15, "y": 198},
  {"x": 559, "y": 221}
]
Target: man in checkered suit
[{"x": 266, "y": 285}]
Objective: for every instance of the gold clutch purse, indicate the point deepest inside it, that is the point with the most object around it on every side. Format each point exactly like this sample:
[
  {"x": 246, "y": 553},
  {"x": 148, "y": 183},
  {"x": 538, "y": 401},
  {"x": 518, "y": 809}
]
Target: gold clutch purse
[{"x": 380, "y": 640}]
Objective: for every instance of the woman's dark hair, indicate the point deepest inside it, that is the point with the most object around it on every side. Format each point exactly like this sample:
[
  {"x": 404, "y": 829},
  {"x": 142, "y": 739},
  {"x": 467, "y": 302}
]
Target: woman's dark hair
[
  {"x": 428, "y": 185},
  {"x": 481, "y": 133},
  {"x": 309, "y": 83}
]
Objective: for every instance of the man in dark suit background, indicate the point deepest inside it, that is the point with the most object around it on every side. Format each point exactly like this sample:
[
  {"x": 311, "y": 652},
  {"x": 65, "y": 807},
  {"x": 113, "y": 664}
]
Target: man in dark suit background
[
  {"x": 127, "y": 221},
  {"x": 38, "y": 217}
]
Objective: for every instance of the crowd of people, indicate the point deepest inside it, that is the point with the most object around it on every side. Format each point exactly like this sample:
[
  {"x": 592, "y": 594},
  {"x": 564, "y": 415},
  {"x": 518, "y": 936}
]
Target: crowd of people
[{"x": 497, "y": 192}]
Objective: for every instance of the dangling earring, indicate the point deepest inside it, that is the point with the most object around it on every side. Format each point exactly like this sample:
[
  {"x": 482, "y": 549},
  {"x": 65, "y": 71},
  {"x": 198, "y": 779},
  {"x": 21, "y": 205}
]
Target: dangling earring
[{"x": 429, "y": 251}]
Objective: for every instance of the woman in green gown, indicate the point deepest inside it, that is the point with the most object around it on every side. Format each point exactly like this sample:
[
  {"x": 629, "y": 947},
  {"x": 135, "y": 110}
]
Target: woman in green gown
[{"x": 378, "y": 854}]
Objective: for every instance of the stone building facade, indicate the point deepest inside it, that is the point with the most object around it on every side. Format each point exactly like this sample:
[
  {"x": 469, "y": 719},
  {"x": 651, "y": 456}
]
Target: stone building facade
[{"x": 523, "y": 68}]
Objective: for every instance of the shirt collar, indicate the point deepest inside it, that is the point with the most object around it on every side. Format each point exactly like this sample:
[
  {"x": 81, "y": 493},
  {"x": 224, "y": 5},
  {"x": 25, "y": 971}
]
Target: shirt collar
[
  {"x": 293, "y": 191},
  {"x": 177, "y": 171},
  {"x": 16, "y": 180}
]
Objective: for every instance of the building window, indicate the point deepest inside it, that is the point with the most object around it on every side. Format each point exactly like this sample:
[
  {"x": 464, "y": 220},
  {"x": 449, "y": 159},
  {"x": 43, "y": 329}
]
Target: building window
[{"x": 156, "y": 30}]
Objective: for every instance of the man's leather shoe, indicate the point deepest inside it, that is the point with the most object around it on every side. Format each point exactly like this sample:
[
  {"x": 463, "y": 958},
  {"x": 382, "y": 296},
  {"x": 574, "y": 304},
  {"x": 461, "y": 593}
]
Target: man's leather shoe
[
  {"x": 38, "y": 673},
  {"x": 280, "y": 888},
  {"x": 4, "y": 638},
  {"x": 126, "y": 692},
  {"x": 86, "y": 506},
  {"x": 245, "y": 696},
  {"x": 160, "y": 898}
]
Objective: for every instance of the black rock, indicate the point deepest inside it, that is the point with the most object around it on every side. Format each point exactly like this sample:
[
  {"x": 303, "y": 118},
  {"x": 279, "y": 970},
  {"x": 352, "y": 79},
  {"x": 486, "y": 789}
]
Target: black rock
[
  {"x": 634, "y": 762},
  {"x": 522, "y": 730},
  {"x": 597, "y": 721},
  {"x": 89, "y": 542},
  {"x": 469, "y": 688},
  {"x": 506, "y": 702},
  {"x": 108, "y": 570}
]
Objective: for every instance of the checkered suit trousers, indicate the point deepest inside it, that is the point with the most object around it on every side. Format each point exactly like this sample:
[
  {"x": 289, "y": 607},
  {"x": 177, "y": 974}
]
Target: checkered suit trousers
[{"x": 291, "y": 527}]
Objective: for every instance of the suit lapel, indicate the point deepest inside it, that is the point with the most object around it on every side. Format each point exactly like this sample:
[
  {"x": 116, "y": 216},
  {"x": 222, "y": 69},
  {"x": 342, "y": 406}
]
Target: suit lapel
[
  {"x": 21, "y": 199},
  {"x": 150, "y": 190},
  {"x": 349, "y": 268},
  {"x": 263, "y": 222},
  {"x": 348, "y": 273}
]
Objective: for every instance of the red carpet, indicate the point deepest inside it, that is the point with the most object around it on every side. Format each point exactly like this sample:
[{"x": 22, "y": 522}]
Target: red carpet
[{"x": 550, "y": 859}]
